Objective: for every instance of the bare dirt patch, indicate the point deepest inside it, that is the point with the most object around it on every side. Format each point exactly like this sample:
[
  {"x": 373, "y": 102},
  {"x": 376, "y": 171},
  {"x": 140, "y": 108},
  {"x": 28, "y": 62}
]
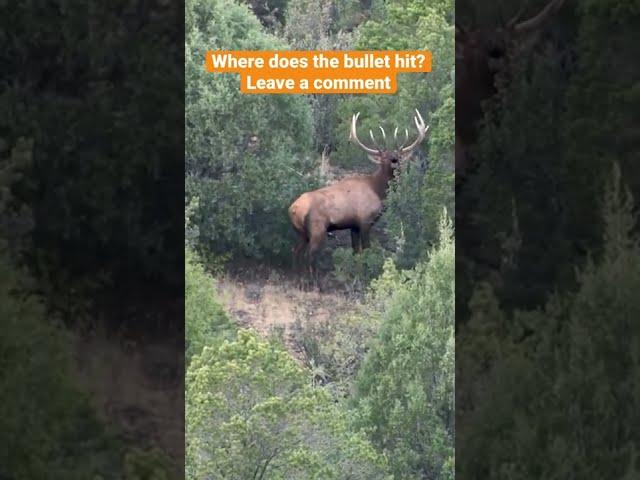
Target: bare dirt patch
[
  {"x": 275, "y": 305},
  {"x": 137, "y": 387}
]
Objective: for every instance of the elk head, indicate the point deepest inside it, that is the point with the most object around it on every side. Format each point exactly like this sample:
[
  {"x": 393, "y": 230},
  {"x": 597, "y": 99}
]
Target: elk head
[
  {"x": 480, "y": 55},
  {"x": 390, "y": 159}
]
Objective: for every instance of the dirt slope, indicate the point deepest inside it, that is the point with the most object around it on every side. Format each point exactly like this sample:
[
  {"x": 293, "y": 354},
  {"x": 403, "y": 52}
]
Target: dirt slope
[{"x": 274, "y": 305}]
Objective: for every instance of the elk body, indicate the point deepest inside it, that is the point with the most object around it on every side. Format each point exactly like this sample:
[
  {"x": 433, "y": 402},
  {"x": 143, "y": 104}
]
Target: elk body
[
  {"x": 353, "y": 203},
  {"x": 480, "y": 56}
]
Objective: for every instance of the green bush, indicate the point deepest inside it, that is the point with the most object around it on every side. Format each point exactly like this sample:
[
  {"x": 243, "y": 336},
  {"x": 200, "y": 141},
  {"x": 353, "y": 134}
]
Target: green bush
[
  {"x": 47, "y": 427},
  {"x": 205, "y": 320},
  {"x": 405, "y": 387},
  {"x": 334, "y": 349},
  {"x": 565, "y": 375},
  {"x": 252, "y": 413},
  {"x": 245, "y": 154},
  {"x": 426, "y": 185},
  {"x": 356, "y": 270}
]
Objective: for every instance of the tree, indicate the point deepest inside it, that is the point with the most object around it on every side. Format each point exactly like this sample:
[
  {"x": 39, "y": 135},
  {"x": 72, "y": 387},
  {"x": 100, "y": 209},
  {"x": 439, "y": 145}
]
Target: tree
[
  {"x": 244, "y": 153},
  {"x": 404, "y": 394},
  {"x": 566, "y": 378},
  {"x": 252, "y": 413},
  {"x": 87, "y": 167}
]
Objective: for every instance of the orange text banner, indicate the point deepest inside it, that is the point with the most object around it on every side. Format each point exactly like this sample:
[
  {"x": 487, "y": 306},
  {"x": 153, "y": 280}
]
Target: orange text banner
[{"x": 319, "y": 72}]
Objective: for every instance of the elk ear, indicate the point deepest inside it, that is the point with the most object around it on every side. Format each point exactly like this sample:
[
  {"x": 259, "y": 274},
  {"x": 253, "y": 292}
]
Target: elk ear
[{"x": 374, "y": 158}]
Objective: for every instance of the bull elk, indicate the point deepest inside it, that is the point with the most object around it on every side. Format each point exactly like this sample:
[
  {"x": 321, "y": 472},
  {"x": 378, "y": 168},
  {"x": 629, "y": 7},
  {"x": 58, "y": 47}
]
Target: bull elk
[
  {"x": 353, "y": 203},
  {"x": 480, "y": 56}
]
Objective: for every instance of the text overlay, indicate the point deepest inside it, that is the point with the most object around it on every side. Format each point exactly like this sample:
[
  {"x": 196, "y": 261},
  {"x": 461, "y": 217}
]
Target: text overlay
[{"x": 318, "y": 72}]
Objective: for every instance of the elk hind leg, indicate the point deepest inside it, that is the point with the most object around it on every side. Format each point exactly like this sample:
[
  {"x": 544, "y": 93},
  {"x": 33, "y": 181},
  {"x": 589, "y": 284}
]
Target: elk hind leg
[
  {"x": 316, "y": 240},
  {"x": 297, "y": 251}
]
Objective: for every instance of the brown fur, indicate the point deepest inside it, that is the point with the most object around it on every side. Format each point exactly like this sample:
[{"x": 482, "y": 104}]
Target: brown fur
[{"x": 353, "y": 203}]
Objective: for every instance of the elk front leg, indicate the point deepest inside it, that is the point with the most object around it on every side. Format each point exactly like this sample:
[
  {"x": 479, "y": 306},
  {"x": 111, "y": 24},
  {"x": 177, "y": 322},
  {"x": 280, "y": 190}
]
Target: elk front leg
[
  {"x": 356, "y": 240},
  {"x": 365, "y": 239}
]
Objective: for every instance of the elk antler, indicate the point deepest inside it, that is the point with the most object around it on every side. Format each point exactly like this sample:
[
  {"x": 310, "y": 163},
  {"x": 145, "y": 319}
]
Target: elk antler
[
  {"x": 513, "y": 20},
  {"x": 373, "y": 139},
  {"x": 537, "y": 21},
  {"x": 422, "y": 131},
  {"x": 353, "y": 136},
  {"x": 395, "y": 138}
]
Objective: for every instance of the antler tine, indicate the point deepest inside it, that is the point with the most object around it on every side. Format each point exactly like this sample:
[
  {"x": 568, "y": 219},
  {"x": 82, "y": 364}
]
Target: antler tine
[
  {"x": 373, "y": 139},
  {"x": 406, "y": 139},
  {"x": 420, "y": 117},
  {"x": 422, "y": 131},
  {"x": 353, "y": 136},
  {"x": 384, "y": 135},
  {"x": 513, "y": 20},
  {"x": 539, "y": 19}
]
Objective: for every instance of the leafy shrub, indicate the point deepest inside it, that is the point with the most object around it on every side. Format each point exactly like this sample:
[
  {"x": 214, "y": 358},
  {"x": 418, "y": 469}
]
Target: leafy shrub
[
  {"x": 565, "y": 374},
  {"x": 405, "y": 387},
  {"x": 251, "y": 412},
  {"x": 146, "y": 465},
  {"x": 245, "y": 154},
  {"x": 334, "y": 349},
  {"x": 47, "y": 427},
  {"x": 205, "y": 320},
  {"x": 414, "y": 203},
  {"x": 356, "y": 270}
]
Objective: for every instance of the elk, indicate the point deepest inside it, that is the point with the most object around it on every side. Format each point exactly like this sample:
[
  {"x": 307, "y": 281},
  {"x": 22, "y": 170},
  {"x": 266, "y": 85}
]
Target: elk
[
  {"x": 353, "y": 203},
  {"x": 480, "y": 56}
]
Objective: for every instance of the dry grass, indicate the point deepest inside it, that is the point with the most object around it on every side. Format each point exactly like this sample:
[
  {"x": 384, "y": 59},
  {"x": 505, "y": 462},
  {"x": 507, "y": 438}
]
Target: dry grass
[
  {"x": 138, "y": 388},
  {"x": 273, "y": 304}
]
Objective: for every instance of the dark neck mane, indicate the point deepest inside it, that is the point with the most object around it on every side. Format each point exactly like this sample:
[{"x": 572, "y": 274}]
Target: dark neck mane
[{"x": 380, "y": 180}]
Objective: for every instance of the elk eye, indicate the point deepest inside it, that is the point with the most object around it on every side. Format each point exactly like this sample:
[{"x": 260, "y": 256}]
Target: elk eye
[{"x": 394, "y": 160}]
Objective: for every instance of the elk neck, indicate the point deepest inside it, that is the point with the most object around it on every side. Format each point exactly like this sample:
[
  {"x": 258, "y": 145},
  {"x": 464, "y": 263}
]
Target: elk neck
[{"x": 380, "y": 180}]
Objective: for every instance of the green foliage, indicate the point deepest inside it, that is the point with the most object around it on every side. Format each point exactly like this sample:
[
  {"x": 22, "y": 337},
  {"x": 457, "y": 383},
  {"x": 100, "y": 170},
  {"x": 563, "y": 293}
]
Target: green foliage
[
  {"x": 47, "y": 427},
  {"x": 518, "y": 235},
  {"x": 244, "y": 153},
  {"x": 602, "y": 103},
  {"x": 146, "y": 465},
  {"x": 311, "y": 25},
  {"x": 356, "y": 270},
  {"x": 252, "y": 413},
  {"x": 334, "y": 349},
  {"x": 414, "y": 205},
  {"x": 86, "y": 166},
  {"x": 205, "y": 321},
  {"x": 405, "y": 386},
  {"x": 566, "y": 379}
]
